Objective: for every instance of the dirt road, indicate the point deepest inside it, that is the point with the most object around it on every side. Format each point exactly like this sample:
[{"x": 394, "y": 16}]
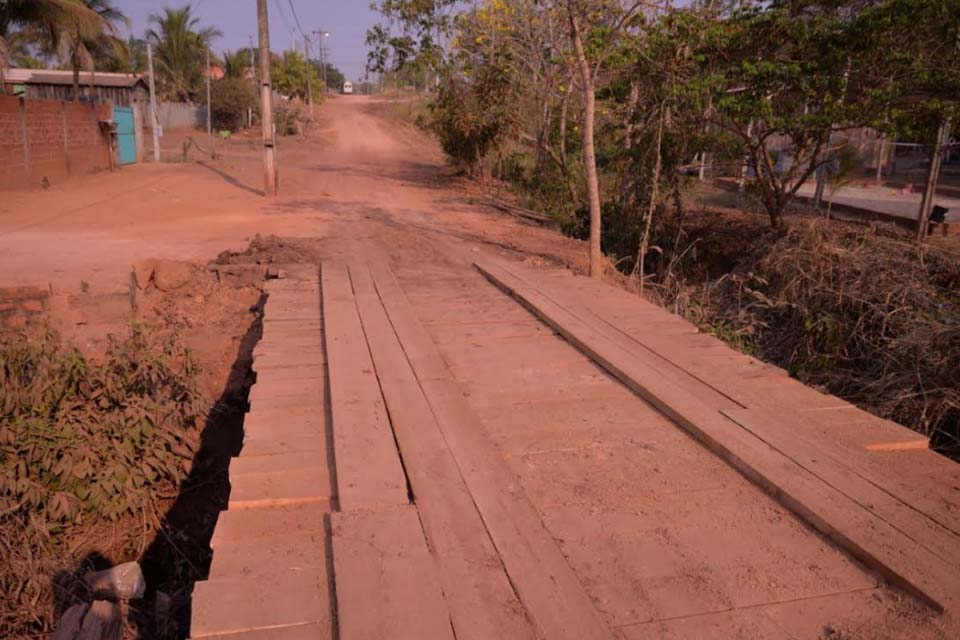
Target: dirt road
[{"x": 666, "y": 539}]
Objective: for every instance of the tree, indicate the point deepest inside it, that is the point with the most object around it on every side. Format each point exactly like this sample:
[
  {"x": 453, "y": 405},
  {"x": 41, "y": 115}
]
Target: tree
[
  {"x": 237, "y": 64},
  {"x": 595, "y": 28},
  {"x": 915, "y": 54},
  {"x": 785, "y": 86},
  {"x": 42, "y": 20},
  {"x": 180, "y": 49},
  {"x": 130, "y": 58},
  {"x": 413, "y": 39},
  {"x": 231, "y": 99},
  {"x": 335, "y": 77},
  {"x": 83, "y": 41},
  {"x": 290, "y": 75}
]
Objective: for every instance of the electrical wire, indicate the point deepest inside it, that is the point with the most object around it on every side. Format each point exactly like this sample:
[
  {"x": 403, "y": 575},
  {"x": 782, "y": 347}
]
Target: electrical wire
[{"x": 296, "y": 18}]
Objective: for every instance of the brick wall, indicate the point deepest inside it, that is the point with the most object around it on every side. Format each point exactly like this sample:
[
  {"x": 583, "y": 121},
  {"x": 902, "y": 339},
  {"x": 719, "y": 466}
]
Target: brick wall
[
  {"x": 62, "y": 139},
  {"x": 21, "y": 306}
]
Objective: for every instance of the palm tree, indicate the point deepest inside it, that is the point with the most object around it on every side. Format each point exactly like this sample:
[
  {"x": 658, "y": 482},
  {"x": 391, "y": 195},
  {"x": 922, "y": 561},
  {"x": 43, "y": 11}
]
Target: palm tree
[
  {"x": 46, "y": 18},
  {"x": 129, "y": 58},
  {"x": 236, "y": 64},
  {"x": 81, "y": 42},
  {"x": 180, "y": 49}
]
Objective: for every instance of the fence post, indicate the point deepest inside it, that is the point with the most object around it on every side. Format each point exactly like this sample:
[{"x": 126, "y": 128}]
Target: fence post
[
  {"x": 138, "y": 128},
  {"x": 933, "y": 175},
  {"x": 66, "y": 139},
  {"x": 22, "y": 110}
]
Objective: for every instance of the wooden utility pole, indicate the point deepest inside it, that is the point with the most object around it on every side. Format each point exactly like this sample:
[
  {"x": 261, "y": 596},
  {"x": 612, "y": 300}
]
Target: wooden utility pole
[
  {"x": 266, "y": 103},
  {"x": 321, "y": 34},
  {"x": 933, "y": 176},
  {"x": 209, "y": 111},
  {"x": 306, "y": 52},
  {"x": 154, "y": 121},
  {"x": 253, "y": 61}
]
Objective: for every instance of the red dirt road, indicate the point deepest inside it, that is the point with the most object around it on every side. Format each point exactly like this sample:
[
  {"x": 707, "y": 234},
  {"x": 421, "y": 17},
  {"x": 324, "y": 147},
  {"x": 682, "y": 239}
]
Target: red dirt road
[{"x": 665, "y": 538}]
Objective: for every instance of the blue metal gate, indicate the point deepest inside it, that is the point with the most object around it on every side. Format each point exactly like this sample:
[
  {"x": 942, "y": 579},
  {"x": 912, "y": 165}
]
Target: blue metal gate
[{"x": 126, "y": 138}]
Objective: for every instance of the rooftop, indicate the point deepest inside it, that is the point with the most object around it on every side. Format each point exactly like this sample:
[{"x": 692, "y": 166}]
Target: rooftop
[{"x": 51, "y": 76}]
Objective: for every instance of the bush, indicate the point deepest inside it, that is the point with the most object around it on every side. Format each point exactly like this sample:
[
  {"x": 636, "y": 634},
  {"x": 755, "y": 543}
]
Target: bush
[
  {"x": 230, "y": 101},
  {"x": 470, "y": 118},
  {"x": 83, "y": 442},
  {"x": 79, "y": 437}
]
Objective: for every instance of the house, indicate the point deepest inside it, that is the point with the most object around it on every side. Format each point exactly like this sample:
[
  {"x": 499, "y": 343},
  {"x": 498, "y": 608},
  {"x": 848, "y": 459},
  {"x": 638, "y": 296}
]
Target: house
[
  {"x": 122, "y": 89},
  {"x": 58, "y": 131}
]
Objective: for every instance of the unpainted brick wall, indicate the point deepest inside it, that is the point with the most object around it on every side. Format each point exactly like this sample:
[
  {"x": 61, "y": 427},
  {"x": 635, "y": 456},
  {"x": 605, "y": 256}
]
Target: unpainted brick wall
[
  {"x": 22, "y": 306},
  {"x": 62, "y": 139}
]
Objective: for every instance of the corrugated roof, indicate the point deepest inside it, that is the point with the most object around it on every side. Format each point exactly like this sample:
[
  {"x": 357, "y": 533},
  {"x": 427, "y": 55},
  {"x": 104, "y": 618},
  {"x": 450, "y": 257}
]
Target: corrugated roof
[{"x": 49, "y": 76}]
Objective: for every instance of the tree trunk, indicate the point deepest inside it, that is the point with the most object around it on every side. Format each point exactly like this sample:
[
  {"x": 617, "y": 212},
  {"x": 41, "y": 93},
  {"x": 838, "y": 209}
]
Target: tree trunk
[
  {"x": 564, "y": 110},
  {"x": 933, "y": 175},
  {"x": 640, "y": 269},
  {"x": 589, "y": 151}
]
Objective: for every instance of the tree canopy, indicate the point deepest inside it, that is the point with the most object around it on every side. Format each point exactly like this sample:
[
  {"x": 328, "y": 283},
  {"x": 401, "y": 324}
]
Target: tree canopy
[{"x": 180, "y": 46}]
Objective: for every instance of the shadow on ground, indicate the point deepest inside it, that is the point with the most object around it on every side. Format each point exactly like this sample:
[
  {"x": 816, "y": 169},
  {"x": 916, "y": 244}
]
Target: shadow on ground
[{"x": 180, "y": 553}]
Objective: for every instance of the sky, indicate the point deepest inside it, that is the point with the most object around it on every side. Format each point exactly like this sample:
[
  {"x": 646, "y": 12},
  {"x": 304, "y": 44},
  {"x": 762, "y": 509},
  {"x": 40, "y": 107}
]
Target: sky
[{"x": 347, "y": 22}]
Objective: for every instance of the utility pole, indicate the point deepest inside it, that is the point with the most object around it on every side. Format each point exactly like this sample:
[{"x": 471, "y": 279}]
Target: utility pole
[
  {"x": 253, "y": 72},
  {"x": 253, "y": 61},
  {"x": 321, "y": 34},
  {"x": 306, "y": 51},
  {"x": 266, "y": 103},
  {"x": 209, "y": 111},
  {"x": 154, "y": 121},
  {"x": 933, "y": 176}
]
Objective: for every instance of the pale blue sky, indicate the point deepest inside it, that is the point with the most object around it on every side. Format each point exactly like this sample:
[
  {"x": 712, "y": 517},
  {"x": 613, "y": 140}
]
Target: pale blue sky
[{"x": 346, "y": 20}]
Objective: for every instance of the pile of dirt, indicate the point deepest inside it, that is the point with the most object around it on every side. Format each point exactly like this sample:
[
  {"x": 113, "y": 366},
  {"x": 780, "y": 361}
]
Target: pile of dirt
[
  {"x": 264, "y": 250},
  {"x": 862, "y": 313}
]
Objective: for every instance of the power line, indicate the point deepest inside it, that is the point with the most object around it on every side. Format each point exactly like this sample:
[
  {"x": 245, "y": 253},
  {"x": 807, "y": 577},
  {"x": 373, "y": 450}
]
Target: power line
[
  {"x": 283, "y": 15},
  {"x": 296, "y": 19}
]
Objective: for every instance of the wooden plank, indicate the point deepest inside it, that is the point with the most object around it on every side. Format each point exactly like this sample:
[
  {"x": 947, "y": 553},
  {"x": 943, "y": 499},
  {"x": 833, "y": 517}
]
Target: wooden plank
[
  {"x": 279, "y": 488},
  {"x": 264, "y": 601},
  {"x": 918, "y": 444},
  {"x": 546, "y": 584},
  {"x": 924, "y": 532},
  {"x": 296, "y": 460},
  {"x": 386, "y": 581},
  {"x": 368, "y": 469},
  {"x": 861, "y": 533},
  {"x": 314, "y": 631},
  {"x": 652, "y": 357},
  {"x": 283, "y": 552},
  {"x": 234, "y": 527},
  {"x": 481, "y": 600}
]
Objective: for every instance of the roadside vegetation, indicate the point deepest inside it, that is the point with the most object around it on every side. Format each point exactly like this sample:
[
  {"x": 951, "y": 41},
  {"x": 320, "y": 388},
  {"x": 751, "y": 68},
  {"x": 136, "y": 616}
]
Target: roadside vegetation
[
  {"x": 600, "y": 113},
  {"x": 90, "y": 449}
]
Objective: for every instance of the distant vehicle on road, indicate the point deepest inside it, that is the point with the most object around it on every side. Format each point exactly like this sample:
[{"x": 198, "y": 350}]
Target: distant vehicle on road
[{"x": 347, "y": 88}]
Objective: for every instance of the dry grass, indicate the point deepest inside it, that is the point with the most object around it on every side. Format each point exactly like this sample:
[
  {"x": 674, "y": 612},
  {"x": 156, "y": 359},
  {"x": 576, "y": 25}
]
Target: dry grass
[{"x": 868, "y": 316}]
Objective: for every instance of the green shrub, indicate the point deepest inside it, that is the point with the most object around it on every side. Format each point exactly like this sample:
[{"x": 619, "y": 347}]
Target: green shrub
[
  {"x": 81, "y": 437},
  {"x": 230, "y": 101},
  {"x": 470, "y": 117}
]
